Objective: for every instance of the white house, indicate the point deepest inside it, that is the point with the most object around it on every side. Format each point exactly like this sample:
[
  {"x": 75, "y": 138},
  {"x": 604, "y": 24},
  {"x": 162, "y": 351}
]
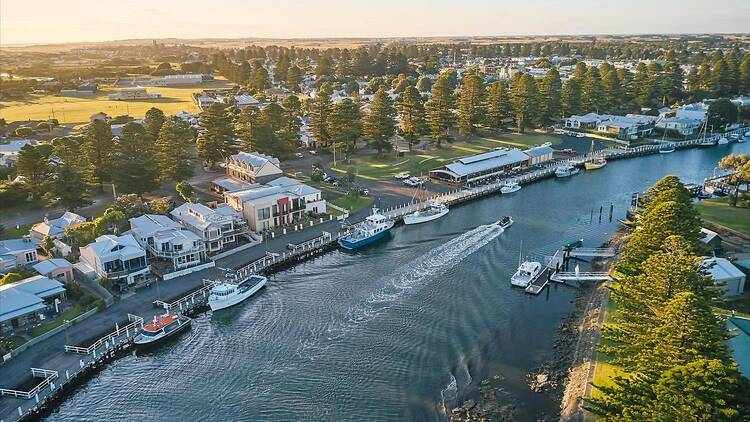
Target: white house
[
  {"x": 55, "y": 228},
  {"x": 312, "y": 197},
  {"x": 16, "y": 253},
  {"x": 540, "y": 154},
  {"x": 166, "y": 240},
  {"x": 217, "y": 228},
  {"x": 730, "y": 279},
  {"x": 118, "y": 258},
  {"x": 253, "y": 167},
  {"x": 26, "y": 301},
  {"x": 55, "y": 268},
  {"x": 586, "y": 121}
]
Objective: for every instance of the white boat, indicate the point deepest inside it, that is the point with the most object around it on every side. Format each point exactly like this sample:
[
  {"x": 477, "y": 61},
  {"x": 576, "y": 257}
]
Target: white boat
[
  {"x": 566, "y": 170},
  {"x": 723, "y": 140},
  {"x": 224, "y": 295},
  {"x": 747, "y": 134},
  {"x": 510, "y": 187},
  {"x": 432, "y": 211},
  {"x": 666, "y": 148},
  {"x": 504, "y": 222},
  {"x": 527, "y": 272},
  {"x": 161, "y": 329},
  {"x": 741, "y": 140},
  {"x": 594, "y": 161},
  {"x": 735, "y": 136}
]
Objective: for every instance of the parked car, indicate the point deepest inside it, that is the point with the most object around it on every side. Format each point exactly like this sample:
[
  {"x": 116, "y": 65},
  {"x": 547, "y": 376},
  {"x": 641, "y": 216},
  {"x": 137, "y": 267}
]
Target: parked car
[
  {"x": 299, "y": 155},
  {"x": 403, "y": 175},
  {"x": 313, "y": 152},
  {"x": 413, "y": 181}
]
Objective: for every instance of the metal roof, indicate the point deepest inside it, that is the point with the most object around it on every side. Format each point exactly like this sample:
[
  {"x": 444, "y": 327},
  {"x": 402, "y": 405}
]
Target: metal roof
[{"x": 486, "y": 161}]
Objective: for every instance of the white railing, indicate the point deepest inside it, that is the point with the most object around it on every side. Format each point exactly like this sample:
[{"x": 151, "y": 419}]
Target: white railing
[
  {"x": 48, "y": 376},
  {"x": 131, "y": 329},
  {"x": 185, "y": 301}
]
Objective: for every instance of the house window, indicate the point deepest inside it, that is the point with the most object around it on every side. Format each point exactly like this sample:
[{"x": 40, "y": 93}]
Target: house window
[
  {"x": 264, "y": 213},
  {"x": 30, "y": 256}
]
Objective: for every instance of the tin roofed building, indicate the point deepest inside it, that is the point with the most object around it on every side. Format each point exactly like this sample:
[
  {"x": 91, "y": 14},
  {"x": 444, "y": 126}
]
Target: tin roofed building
[
  {"x": 253, "y": 167},
  {"x": 24, "y": 302},
  {"x": 480, "y": 166}
]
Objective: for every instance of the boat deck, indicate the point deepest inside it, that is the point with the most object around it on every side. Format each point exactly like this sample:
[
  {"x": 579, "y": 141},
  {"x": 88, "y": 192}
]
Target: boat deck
[{"x": 536, "y": 286}]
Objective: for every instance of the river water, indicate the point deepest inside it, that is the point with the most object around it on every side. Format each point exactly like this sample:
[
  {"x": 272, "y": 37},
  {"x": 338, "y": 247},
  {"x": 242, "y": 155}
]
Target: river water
[{"x": 400, "y": 331}]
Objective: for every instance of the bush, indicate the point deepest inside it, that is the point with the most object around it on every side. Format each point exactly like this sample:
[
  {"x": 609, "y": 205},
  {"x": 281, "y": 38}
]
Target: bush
[
  {"x": 24, "y": 131},
  {"x": 317, "y": 174}
]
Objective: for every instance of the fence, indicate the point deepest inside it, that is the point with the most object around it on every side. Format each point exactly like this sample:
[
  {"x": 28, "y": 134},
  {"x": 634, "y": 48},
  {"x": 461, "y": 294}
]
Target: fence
[{"x": 132, "y": 327}]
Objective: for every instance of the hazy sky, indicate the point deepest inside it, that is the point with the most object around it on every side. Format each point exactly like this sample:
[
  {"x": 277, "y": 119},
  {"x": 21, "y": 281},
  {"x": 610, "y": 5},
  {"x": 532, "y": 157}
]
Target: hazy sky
[{"x": 50, "y": 21}]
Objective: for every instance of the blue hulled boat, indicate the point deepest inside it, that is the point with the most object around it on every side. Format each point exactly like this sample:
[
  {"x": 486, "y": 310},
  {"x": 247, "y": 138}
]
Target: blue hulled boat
[{"x": 375, "y": 227}]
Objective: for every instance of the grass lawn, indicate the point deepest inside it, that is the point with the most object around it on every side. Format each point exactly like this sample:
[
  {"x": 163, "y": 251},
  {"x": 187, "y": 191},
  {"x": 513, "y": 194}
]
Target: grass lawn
[
  {"x": 720, "y": 212},
  {"x": 15, "y": 233},
  {"x": 739, "y": 304},
  {"x": 352, "y": 202},
  {"x": 604, "y": 371},
  {"x": 71, "y": 313},
  {"x": 371, "y": 167},
  {"x": 78, "y": 109}
]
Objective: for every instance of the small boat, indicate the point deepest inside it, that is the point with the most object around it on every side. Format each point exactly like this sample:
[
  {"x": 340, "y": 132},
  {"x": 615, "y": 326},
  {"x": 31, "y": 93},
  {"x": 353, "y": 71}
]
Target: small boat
[
  {"x": 527, "y": 272},
  {"x": 505, "y": 222},
  {"x": 566, "y": 170},
  {"x": 432, "y": 211},
  {"x": 734, "y": 136},
  {"x": 741, "y": 140},
  {"x": 594, "y": 161},
  {"x": 747, "y": 134},
  {"x": 580, "y": 135},
  {"x": 666, "y": 148},
  {"x": 723, "y": 140},
  {"x": 375, "y": 227},
  {"x": 161, "y": 329},
  {"x": 705, "y": 142},
  {"x": 510, "y": 187},
  {"x": 224, "y": 295}
]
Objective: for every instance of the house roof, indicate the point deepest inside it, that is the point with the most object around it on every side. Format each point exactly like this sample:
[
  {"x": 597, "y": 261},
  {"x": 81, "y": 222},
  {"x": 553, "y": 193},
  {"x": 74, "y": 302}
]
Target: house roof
[
  {"x": 486, "y": 161},
  {"x": 14, "y": 246},
  {"x": 245, "y": 100},
  {"x": 255, "y": 159},
  {"x": 57, "y": 226},
  {"x": 722, "y": 269},
  {"x": 707, "y": 235},
  {"x": 116, "y": 246},
  {"x": 149, "y": 224},
  {"x": 201, "y": 216},
  {"x": 230, "y": 184},
  {"x": 539, "y": 151},
  {"x": 257, "y": 192},
  {"x": 294, "y": 186},
  {"x": 37, "y": 285},
  {"x": 15, "y": 303},
  {"x": 49, "y": 265}
]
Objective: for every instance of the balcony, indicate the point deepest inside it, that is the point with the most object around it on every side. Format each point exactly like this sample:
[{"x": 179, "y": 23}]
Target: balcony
[
  {"x": 174, "y": 254},
  {"x": 115, "y": 274}
]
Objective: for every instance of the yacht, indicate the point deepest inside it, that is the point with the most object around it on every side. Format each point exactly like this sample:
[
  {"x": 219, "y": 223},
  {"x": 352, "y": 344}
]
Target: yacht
[
  {"x": 510, "y": 187},
  {"x": 707, "y": 142},
  {"x": 666, "y": 148},
  {"x": 224, "y": 295},
  {"x": 432, "y": 211},
  {"x": 375, "y": 227},
  {"x": 504, "y": 222},
  {"x": 527, "y": 272},
  {"x": 594, "y": 161},
  {"x": 162, "y": 328},
  {"x": 723, "y": 140},
  {"x": 566, "y": 170}
]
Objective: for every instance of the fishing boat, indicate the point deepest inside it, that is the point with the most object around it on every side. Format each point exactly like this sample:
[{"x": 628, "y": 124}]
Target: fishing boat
[
  {"x": 594, "y": 161},
  {"x": 566, "y": 170},
  {"x": 504, "y": 222},
  {"x": 375, "y": 227},
  {"x": 510, "y": 187},
  {"x": 666, "y": 148},
  {"x": 427, "y": 211},
  {"x": 704, "y": 141},
  {"x": 527, "y": 272},
  {"x": 161, "y": 329},
  {"x": 224, "y": 295},
  {"x": 723, "y": 140}
]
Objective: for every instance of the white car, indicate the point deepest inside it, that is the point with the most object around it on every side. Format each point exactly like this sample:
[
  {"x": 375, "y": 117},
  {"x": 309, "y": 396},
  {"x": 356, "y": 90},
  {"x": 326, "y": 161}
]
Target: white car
[
  {"x": 403, "y": 175},
  {"x": 413, "y": 181},
  {"x": 299, "y": 155}
]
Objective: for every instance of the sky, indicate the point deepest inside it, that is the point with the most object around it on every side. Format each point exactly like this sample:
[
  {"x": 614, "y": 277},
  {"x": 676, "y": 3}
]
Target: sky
[{"x": 58, "y": 21}]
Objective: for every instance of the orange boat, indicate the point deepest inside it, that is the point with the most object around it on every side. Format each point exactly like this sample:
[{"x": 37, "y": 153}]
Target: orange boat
[{"x": 162, "y": 328}]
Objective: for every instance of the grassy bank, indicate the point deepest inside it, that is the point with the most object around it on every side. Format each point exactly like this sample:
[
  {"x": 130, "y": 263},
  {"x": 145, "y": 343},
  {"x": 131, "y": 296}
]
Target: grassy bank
[
  {"x": 351, "y": 202},
  {"x": 719, "y": 211},
  {"x": 605, "y": 371},
  {"x": 381, "y": 168},
  {"x": 68, "y": 315}
]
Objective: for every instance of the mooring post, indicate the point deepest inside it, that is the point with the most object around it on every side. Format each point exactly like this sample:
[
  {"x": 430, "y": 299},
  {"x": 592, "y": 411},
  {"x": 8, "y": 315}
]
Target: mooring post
[
  {"x": 80, "y": 362},
  {"x": 36, "y": 397},
  {"x": 20, "y": 412}
]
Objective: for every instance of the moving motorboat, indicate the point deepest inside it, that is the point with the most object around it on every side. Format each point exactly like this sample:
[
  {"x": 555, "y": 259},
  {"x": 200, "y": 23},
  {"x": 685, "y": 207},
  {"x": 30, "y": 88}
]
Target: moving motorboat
[
  {"x": 504, "y": 222},
  {"x": 510, "y": 187},
  {"x": 566, "y": 170},
  {"x": 375, "y": 227},
  {"x": 666, "y": 148},
  {"x": 527, "y": 272},
  {"x": 433, "y": 211},
  {"x": 161, "y": 329},
  {"x": 224, "y": 295}
]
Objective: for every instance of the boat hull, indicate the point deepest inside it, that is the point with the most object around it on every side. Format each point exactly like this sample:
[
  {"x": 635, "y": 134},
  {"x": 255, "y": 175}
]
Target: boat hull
[
  {"x": 567, "y": 173},
  {"x": 666, "y": 151},
  {"x": 421, "y": 218},
  {"x": 348, "y": 245},
  {"x": 594, "y": 166},
  {"x": 156, "y": 342},
  {"x": 510, "y": 190},
  {"x": 217, "y": 305}
]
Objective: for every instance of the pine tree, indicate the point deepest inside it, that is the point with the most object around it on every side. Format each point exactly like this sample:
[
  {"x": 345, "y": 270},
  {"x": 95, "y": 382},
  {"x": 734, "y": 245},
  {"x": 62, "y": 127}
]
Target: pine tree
[
  {"x": 424, "y": 84},
  {"x": 439, "y": 114},
  {"x": 319, "y": 109},
  {"x": 69, "y": 185},
  {"x": 412, "y": 113},
  {"x": 642, "y": 85},
  {"x": 258, "y": 80},
  {"x": 216, "y": 134},
  {"x": 97, "y": 149},
  {"x": 134, "y": 164},
  {"x": 744, "y": 72},
  {"x": 293, "y": 78},
  {"x": 721, "y": 79},
  {"x": 152, "y": 122},
  {"x": 570, "y": 97},
  {"x": 244, "y": 128},
  {"x": 705, "y": 76},
  {"x": 345, "y": 125},
  {"x": 33, "y": 165},
  {"x": 174, "y": 151},
  {"x": 525, "y": 100},
  {"x": 470, "y": 102},
  {"x": 550, "y": 90},
  {"x": 613, "y": 93},
  {"x": 592, "y": 91},
  {"x": 498, "y": 104},
  {"x": 379, "y": 125},
  {"x": 290, "y": 133}
]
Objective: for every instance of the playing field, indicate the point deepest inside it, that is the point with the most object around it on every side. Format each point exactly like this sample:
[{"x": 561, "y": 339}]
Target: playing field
[
  {"x": 720, "y": 212},
  {"x": 78, "y": 109}
]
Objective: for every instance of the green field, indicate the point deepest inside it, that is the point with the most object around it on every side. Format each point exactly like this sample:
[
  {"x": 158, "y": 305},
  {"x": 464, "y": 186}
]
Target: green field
[
  {"x": 605, "y": 371},
  {"x": 78, "y": 109},
  {"x": 68, "y": 315},
  {"x": 374, "y": 168},
  {"x": 719, "y": 211},
  {"x": 352, "y": 202}
]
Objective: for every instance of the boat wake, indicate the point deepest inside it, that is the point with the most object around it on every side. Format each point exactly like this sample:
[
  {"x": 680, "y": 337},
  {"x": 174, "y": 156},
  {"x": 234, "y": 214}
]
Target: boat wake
[
  {"x": 449, "y": 394},
  {"x": 418, "y": 273}
]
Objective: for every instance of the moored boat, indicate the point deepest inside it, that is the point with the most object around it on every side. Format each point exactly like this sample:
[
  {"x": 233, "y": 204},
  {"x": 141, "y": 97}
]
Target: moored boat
[
  {"x": 161, "y": 329},
  {"x": 527, "y": 272},
  {"x": 510, "y": 187},
  {"x": 375, "y": 227},
  {"x": 432, "y": 211},
  {"x": 594, "y": 161},
  {"x": 224, "y": 295},
  {"x": 723, "y": 140},
  {"x": 666, "y": 148},
  {"x": 566, "y": 170}
]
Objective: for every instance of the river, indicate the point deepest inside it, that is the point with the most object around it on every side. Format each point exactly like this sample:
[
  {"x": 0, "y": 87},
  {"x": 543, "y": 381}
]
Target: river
[{"x": 400, "y": 331}]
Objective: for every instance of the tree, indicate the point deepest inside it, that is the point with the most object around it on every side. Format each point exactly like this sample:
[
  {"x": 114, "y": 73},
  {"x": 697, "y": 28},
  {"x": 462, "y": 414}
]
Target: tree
[
  {"x": 612, "y": 92},
  {"x": 722, "y": 113},
  {"x": 33, "y": 166},
  {"x": 740, "y": 164},
  {"x": 185, "y": 190},
  {"x": 412, "y": 113},
  {"x": 290, "y": 133},
  {"x": 174, "y": 151},
  {"x": 642, "y": 85},
  {"x": 293, "y": 78},
  {"x": 744, "y": 74},
  {"x": 721, "y": 79},
  {"x": 379, "y": 125},
  {"x": 258, "y": 77},
  {"x": 525, "y": 100},
  {"x": 244, "y": 128},
  {"x": 97, "y": 150},
  {"x": 216, "y": 135},
  {"x": 570, "y": 97},
  {"x": 345, "y": 125},
  {"x": 424, "y": 84},
  {"x": 549, "y": 95},
  {"x": 470, "y": 102},
  {"x": 134, "y": 164},
  {"x": 592, "y": 91},
  {"x": 320, "y": 108},
  {"x": 498, "y": 105},
  {"x": 153, "y": 121},
  {"x": 68, "y": 187},
  {"x": 439, "y": 114}
]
